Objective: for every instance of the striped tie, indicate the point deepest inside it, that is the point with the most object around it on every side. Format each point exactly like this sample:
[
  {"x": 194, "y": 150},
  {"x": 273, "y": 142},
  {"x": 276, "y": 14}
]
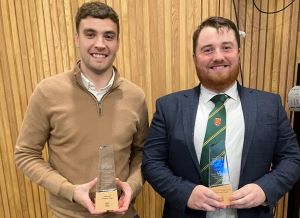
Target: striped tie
[{"x": 213, "y": 150}]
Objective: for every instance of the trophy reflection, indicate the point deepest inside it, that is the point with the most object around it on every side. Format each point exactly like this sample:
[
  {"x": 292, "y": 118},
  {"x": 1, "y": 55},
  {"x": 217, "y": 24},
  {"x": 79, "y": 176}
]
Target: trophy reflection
[
  {"x": 106, "y": 190},
  {"x": 219, "y": 180}
]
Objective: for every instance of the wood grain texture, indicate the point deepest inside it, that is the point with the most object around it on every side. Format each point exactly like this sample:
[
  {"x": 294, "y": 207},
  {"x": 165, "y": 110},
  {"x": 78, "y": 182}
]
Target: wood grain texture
[{"x": 37, "y": 41}]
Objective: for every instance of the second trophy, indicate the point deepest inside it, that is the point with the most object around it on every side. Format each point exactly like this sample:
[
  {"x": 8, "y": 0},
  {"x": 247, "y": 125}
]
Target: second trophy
[{"x": 106, "y": 190}]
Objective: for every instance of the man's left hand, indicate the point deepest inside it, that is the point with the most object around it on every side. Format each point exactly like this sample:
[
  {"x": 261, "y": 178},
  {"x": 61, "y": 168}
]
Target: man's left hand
[
  {"x": 250, "y": 195},
  {"x": 125, "y": 198}
]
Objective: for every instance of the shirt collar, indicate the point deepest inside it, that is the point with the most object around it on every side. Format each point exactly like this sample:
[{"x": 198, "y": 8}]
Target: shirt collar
[
  {"x": 206, "y": 94},
  {"x": 90, "y": 85}
]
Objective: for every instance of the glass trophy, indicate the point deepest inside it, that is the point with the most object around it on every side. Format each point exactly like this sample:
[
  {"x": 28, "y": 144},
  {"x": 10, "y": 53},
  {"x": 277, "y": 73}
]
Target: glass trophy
[
  {"x": 218, "y": 179},
  {"x": 106, "y": 190}
]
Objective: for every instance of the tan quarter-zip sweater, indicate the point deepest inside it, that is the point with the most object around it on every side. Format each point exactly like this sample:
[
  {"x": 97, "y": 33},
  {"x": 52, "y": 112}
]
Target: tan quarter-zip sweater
[{"x": 63, "y": 114}]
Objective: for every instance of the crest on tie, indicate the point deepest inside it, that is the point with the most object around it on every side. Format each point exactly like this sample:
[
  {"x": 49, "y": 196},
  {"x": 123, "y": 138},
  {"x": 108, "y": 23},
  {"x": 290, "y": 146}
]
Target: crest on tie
[{"x": 217, "y": 121}]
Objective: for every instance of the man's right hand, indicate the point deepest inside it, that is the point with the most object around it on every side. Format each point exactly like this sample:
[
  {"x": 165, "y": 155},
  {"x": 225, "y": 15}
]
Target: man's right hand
[
  {"x": 81, "y": 196},
  {"x": 202, "y": 198}
]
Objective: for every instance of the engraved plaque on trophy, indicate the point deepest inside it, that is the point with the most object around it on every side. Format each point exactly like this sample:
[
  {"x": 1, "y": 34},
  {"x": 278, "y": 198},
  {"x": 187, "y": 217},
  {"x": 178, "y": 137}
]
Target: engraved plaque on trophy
[
  {"x": 218, "y": 179},
  {"x": 106, "y": 190}
]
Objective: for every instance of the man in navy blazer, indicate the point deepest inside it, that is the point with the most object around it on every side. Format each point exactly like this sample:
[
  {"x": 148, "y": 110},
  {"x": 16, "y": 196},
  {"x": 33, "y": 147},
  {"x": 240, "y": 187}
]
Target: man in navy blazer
[{"x": 262, "y": 152}]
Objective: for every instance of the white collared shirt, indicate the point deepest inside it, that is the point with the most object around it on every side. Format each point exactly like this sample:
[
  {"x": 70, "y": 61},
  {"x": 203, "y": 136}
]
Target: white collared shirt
[
  {"x": 235, "y": 131},
  {"x": 89, "y": 85}
]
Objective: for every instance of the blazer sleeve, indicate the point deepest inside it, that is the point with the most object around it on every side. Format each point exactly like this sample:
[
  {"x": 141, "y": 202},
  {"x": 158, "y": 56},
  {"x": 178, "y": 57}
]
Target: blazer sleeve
[
  {"x": 285, "y": 168},
  {"x": 155, "y": 167}
]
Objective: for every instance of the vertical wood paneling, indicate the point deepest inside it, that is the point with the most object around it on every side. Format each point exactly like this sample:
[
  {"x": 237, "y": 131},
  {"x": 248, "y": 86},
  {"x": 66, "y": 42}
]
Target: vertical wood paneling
[
  {"x": 262, "y": 46},
  {"x": 277, "y": 47},
  {"x": 5, "y": 210},
  {"x": 174, "y": 53},
  {"x": 146, "y": 45},
  {"x": 35, "y": 57},
  {"x": 254, "y": 22},
  {"x": 69, "y": 33},
  {"x": 182, "y": 44},
  {"x": 37, "y": 41},
  {"x": 248, "y": 43},
  {"x": 168, "y": 44},
  {"x": 284, "y": 62},
  {"x": 269, "y": 48},
  {"x": 5, "y": 137},
  {"x": 192, "y": 9},
  {"x": 29, "y": 58},
  {"x": 13, "y": 54},
  {"x": 125, "y": 39},
  {"x": 241, "y": 11}
]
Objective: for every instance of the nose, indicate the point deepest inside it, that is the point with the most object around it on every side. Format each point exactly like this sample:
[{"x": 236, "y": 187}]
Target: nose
[
  {"x": 218, "y": 55},
  {"x": 100, "y": 42}
]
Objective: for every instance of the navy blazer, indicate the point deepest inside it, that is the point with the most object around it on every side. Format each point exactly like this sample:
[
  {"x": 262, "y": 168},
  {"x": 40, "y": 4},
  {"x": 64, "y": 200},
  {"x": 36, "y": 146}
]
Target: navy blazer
[{"x": 270, "y": 156}]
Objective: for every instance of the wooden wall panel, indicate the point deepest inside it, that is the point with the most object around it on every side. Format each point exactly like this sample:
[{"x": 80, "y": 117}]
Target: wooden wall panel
[{"x": 37, "y": 41}]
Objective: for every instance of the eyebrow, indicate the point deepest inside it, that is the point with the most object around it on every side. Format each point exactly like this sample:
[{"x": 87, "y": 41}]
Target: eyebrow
[
  {"x": 110, "y": 32},
  {"x": 205, "y": 46},
  {"x": 228, "y": 42},
  {"x": 223, "y": 43},
  {"x": 89, "y": 30}
]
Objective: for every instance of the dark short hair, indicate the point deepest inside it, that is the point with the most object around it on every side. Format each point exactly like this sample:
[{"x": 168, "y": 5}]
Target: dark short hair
[
  {"x": 218, "y": 23},
  {"x": 96, "y": 10}
]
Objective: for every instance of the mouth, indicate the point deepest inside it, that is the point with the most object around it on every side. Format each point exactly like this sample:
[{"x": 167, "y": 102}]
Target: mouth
[
  {"x": 98, "y": 55},
  {"x": 218, "y": 67}
]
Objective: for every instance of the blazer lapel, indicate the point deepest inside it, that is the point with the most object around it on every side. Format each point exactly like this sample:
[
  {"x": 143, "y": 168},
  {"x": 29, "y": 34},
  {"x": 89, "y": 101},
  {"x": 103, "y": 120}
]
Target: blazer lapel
[
  {"x": 249, "y": 107},
  {"x": 190, "y": 105}
]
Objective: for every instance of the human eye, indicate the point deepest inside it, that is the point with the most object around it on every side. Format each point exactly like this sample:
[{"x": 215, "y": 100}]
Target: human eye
[
  {"x": 110, "y": 36},
  {"x": 207, "y": 50},
  {"x": 227, "y": 47},
  {"x": 89, "y": 34}
]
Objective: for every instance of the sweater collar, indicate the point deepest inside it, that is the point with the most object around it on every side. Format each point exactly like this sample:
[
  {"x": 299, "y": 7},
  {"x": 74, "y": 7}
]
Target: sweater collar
[{"x": 77, "y": 73}]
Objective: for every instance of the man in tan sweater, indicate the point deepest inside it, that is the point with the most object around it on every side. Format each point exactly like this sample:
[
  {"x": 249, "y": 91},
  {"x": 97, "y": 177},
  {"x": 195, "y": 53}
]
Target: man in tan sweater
[{"x": 77, "y": 111}]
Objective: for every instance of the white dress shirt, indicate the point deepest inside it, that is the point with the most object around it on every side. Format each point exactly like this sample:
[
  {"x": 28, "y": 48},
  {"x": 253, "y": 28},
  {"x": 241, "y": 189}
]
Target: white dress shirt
[
  {"x": 235, "y": 131},
  {"x": 89, "y": 85}
]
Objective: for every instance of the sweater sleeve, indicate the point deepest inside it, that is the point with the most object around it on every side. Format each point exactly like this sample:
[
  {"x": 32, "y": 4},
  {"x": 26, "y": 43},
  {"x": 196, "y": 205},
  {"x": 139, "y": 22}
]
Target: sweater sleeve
[
  {"x": 135, "y": 179},
  {"x": 30, "y": 144}
]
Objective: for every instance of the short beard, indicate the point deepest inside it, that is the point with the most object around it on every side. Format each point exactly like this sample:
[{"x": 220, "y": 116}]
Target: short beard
[{"x": 219, "y": 85}]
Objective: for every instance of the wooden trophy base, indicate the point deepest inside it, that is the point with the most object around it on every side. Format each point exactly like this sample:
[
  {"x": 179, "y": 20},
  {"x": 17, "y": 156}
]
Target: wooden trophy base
[
  {"x": 106, "y": 200},
  {"x": 224, "y": 191}
]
